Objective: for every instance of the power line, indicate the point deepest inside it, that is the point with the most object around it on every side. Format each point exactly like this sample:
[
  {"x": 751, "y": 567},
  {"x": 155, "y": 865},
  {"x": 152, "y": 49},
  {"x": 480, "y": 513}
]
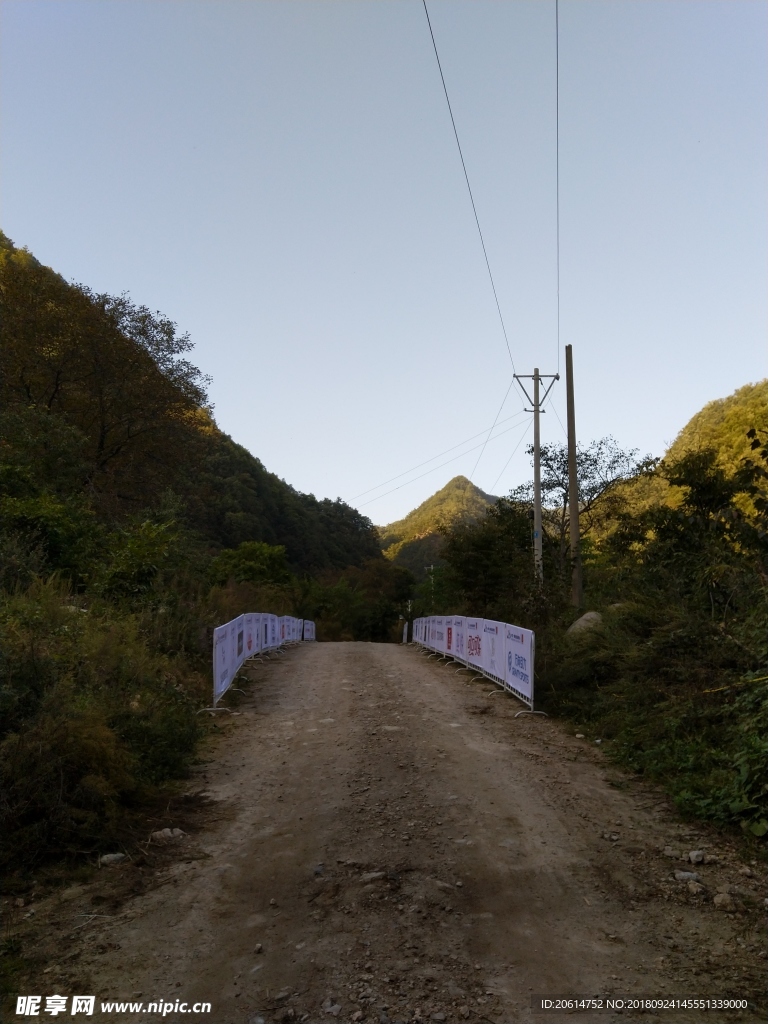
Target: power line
[
  {"x": 506, "y": 394},
  {"x": 469, "y": 187},
  {"x": 435, "y": 468},
  {"x": 557, "y": 163},
  {"x": 438, "y": 456},
  {"x": 565, "y": 432},
  {"x": 501, "y": 474}
]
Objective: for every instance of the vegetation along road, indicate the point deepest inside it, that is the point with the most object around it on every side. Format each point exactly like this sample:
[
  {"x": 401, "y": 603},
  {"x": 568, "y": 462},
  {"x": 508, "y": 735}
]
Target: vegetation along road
[{"x": 376, "y": 838}]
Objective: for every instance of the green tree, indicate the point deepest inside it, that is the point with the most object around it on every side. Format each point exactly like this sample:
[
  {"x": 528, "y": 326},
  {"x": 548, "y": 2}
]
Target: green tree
[{"x": 251, "y": 562}]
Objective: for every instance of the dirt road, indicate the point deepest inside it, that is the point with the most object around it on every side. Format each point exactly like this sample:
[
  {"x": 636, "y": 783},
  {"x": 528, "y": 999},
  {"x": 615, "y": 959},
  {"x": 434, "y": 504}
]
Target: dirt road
[{"x": 387, "y": 842}]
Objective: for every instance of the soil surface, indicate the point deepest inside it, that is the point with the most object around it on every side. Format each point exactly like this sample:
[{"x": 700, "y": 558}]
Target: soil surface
[{"x": 377, "y": 838}]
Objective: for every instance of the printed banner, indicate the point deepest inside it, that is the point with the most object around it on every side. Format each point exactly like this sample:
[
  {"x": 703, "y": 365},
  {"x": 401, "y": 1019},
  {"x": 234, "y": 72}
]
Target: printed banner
[
  {"x": 252, "y": 645},
  {"x": 493, "y": 649},
  {"x": 460, "y": 638},
  {"x": 475, "y": 642},
  {"x": 440, "y": 634},
  {"x": 449, "y": 635},
  {"x": 222, "y": 661},
  {"x": 238, "y": 641},
  {"x": 518, "y": 674}
]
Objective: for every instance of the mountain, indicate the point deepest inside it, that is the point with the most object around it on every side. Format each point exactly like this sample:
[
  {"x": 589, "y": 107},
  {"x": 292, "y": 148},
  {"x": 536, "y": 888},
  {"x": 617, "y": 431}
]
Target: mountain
[
  {"x": 416, "y": 540},
  {"x": 723, "y": 425},
  {"x": 102, "y": 416}
]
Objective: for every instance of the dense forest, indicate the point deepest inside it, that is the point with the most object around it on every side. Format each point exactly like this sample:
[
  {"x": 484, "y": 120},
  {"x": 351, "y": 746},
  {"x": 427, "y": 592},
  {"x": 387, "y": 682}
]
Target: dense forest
[
  {"x": 673, "y": 678},
  {"x": 130, "y": 525}
]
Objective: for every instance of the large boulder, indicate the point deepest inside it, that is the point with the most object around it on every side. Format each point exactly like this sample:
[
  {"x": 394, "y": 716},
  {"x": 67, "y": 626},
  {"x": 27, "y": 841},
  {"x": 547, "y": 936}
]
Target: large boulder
[{"x": 587, "y": 621}]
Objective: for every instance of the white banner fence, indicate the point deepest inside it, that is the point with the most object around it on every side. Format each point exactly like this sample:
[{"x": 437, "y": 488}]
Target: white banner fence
[
  {"x": 497, "y": 650},
  {"x": 249, "y": 635}
]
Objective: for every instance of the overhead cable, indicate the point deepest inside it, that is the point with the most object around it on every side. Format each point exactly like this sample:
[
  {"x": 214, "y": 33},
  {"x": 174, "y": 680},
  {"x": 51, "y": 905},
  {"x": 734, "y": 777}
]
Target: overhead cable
[
  {"x": 469, "y": 187},
  {"x": 435, "y": 468},
  {"x": 439, "y": 455},
  {"x": 506, "y": 395},
  {"x": 501, "y": 474},
  {"x": 557, "y": 163}
]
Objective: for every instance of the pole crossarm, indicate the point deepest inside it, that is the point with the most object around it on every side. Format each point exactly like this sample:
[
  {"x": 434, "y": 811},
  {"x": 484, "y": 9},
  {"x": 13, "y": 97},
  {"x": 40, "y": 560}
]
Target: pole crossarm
[{"x": 530, "y": 376}]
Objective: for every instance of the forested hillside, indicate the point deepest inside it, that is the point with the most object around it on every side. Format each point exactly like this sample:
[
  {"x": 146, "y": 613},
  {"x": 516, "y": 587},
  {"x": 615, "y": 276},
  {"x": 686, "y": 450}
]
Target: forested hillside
[
  {"x": 722, "y": 426},
  {"x": 416, "y": 540},
  {"x": 102, "y": 406},
  {"x": 130, "y": 525}
]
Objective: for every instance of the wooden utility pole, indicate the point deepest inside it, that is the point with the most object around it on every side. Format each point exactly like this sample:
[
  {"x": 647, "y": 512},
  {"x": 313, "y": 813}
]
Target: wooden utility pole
[
  {"x": 573, "y": 484},
  {"x": 537, "y": 401}
]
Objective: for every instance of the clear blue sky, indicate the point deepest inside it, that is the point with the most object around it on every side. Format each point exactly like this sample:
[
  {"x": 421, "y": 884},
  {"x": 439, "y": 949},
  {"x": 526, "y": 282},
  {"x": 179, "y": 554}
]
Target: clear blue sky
[{"x": 282, "y": 180}]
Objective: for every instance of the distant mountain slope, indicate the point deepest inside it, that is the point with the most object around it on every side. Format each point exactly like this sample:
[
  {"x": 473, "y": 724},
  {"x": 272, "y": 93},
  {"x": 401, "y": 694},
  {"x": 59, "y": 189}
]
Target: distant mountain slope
[
  {"x": 415, "y": 541},
  {"x": 723, "y": 425}
]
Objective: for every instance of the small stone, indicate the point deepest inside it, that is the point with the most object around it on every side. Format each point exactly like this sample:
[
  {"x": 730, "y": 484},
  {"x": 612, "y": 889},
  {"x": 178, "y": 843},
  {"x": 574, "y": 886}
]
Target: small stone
[
  {"x": 464, "y": 1011},
  {"x": 112, "y": 858},
  {"x": 695, "y": 888},
  {"x": 711, "y": 858},
  {"x": 672, "y": 853},
  {"x": 598, "y": 741},
  {"x": 579, "y": 735},
  {"x": 477, "y": 967},
  {"x": 696, "y": 856},
  {"x": 258, "y": 948},
  {"x": 163, "y": 835},
  {"x": 723, "y": 901},
  {"x": 273, "y": 903},
  {"x": 357, "y": 1015},
  {"x": 747, "y": 872},
  {"x": 334, "y": 1010},
  {"x": 373, "y": 876},
  {"x": 438, "y": 1016},
  {"x": 282, "y": 995},
  {"x": 686, "y": 876}
]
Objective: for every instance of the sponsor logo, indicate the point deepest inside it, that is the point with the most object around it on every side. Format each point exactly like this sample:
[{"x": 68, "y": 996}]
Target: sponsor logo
[{"x": 517, "y": 667}]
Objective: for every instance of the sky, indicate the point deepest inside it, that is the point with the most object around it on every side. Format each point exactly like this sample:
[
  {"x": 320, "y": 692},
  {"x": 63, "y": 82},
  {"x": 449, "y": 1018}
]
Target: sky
[{"x": 281, "y": 178}]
